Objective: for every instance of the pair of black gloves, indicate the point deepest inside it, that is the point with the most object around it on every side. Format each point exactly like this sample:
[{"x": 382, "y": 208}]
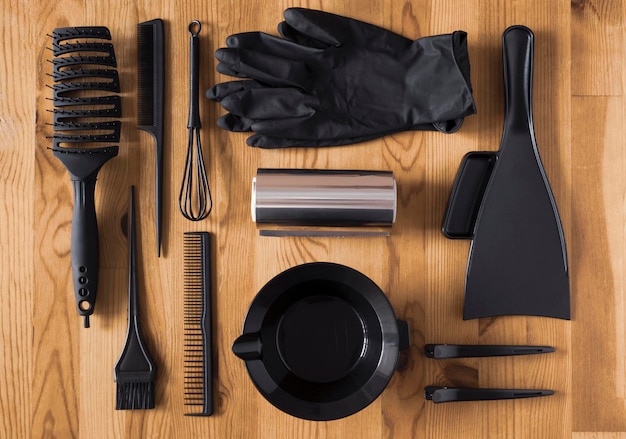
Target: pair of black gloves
[{"x": 332, "y": 80}]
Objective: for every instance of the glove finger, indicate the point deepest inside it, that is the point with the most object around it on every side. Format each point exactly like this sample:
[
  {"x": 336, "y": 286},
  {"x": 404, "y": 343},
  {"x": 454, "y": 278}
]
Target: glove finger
[
  {"x": 270, "y": 103},
  {"x": 329, "y": 29},
  {"x": 234, "y": 123},
  {"x": 336, "y": 30},
  {"x": 269, "y": 142},
  {"x": 260, "y": 42},
  {"x": 448, "y": 126},
  {"x": 264, "y": 67},
  {"x": 226, "y": 70},
  {"x": 292, "y": 34},
  {"x": 238, "y": 124},
  {"x": 272, "y": 142},
  {"x": 220, "y": 91},
  {"x": 312, "y": 128}
]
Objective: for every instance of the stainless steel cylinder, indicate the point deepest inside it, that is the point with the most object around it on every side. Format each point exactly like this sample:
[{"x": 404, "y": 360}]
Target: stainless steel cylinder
[{"x": 324, "y": 197}]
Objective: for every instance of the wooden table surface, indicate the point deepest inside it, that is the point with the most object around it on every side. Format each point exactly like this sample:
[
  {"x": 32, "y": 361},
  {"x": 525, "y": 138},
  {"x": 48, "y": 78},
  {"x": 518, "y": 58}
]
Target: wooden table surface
[{"x": 56, "y": 378}]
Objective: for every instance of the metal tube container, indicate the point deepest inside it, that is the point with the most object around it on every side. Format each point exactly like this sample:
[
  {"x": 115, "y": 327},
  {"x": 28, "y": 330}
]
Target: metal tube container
[{"x": 324, "y": 197}]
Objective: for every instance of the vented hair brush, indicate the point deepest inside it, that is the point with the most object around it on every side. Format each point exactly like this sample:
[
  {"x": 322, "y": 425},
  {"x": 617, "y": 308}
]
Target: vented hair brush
[{"x": 85, "y": 113}]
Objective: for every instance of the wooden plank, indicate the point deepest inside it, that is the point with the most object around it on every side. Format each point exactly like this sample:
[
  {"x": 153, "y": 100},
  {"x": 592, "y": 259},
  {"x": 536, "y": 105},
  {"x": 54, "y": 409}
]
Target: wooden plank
[
  {"x": 597, "y": 166},
  {"x": 56, "y": 324},
  {"x": 17, "y": 175},
  {"x": 597, "y": 42},
  {"x": 598, "y": 271},
  {"x": 599, "y": 435}
]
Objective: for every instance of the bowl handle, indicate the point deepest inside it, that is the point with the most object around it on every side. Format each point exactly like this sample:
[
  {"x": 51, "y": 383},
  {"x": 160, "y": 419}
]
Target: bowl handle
[
  {"x": 403, "y": 334},
  {"x": 248, "y": 346}
]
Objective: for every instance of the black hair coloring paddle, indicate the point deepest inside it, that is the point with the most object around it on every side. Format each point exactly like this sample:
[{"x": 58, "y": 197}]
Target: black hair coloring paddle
[{"x": 518, "y": 262}]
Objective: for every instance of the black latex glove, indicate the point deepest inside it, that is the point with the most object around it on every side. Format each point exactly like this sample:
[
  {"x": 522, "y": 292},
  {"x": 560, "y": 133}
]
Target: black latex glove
[{"x": 332, "y": 80}]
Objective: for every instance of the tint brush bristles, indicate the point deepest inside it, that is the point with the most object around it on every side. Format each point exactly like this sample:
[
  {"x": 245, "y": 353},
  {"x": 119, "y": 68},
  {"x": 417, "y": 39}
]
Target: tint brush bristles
[
  {"x": 197, "y": 323},
  {"x": 135, "y": 395}
]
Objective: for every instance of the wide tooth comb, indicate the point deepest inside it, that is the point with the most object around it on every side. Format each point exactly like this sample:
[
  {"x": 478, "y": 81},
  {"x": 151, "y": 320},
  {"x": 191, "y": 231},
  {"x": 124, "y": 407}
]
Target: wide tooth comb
[{"x": 197, "y": 323}]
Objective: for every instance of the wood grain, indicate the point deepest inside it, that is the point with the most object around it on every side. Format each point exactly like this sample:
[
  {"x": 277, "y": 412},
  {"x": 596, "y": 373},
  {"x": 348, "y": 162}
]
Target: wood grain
[
  {"x": 17, "y": 276},
  {"x": 597, "y": 38},
  {"x": 600, "y": 167},
  {"x": 56, "y": 378}
]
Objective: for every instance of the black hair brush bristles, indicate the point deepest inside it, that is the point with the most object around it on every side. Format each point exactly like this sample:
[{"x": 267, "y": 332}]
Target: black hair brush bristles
[
  {"x": 134, "y": 371},
  {"x": 150, "y": 99}
]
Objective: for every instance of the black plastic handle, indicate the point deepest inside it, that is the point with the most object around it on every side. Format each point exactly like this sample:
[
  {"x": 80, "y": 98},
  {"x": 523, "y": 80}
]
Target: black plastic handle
[
  {"x": 194, "y": 75},
  {"x": 403, "y": 334},
  {"x": 248, "y": 347},
  {"x": 133, "y": 283},
  {"x": 517, "y": 52},
  {"x": 85, "y": 247},
  {"x": 467, "y": 193}
]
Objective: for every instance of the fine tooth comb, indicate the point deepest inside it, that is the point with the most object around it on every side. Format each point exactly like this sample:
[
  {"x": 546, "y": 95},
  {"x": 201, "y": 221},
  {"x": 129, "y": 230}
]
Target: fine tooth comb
[
  {"x": 82, "y": 114},
  {"x": 150, "y": 99},
  {"x": 198, "y": 346}
]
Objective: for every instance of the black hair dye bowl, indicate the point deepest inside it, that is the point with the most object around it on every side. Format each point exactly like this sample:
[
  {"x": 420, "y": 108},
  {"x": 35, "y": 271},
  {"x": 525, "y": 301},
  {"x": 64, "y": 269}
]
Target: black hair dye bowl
[{"x": 321, "y": 341}]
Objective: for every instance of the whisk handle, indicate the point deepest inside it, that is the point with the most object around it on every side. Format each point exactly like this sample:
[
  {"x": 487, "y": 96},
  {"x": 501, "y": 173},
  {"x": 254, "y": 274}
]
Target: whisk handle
[{"x": 194, "y": 75}]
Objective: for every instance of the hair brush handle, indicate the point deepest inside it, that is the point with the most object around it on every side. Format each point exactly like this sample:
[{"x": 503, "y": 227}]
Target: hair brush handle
[{"x": 85, "y": 247}]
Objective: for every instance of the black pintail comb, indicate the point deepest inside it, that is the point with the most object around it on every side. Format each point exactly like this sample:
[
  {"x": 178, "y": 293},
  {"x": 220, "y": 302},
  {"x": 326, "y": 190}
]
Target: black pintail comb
[{"x": 150, "y": 101}]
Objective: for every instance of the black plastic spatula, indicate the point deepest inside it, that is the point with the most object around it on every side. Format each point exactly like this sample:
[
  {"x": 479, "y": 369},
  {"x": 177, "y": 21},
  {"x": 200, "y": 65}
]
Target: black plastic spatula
[{"x": 518, "y": 262}]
